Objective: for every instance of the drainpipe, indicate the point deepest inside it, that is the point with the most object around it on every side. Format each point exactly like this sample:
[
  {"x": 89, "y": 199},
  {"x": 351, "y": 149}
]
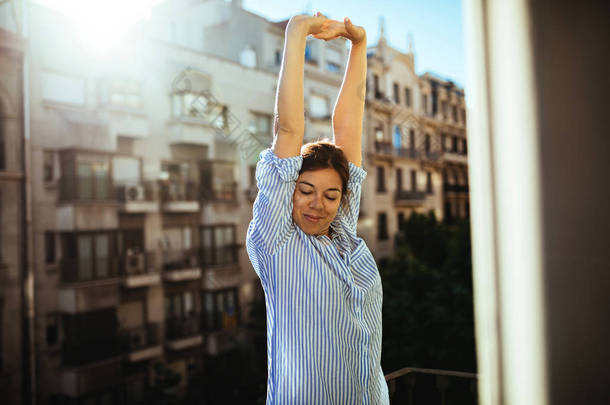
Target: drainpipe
[{"x": 27, "y": 274}]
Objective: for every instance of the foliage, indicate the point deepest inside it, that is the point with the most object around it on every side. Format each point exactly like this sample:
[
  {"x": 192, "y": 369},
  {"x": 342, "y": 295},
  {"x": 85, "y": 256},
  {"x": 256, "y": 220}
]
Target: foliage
[{"x": 428, "y": 311}]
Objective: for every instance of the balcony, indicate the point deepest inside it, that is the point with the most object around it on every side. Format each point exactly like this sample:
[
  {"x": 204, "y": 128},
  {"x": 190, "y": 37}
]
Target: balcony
[
  {"x": 140, "y": 269},
  {"x": 142, "y": 343},
  {"x": 384, "y": 148},
  {"x": 455, "y": 157},
  {"x": 221, "y": 277},
  {"x": 192, "y": 131},
  {"x": 127, "y": 122},
  {"x": 407, "y": 153},
  {"x": 95, "y": 377},
  {"x": 431, "y": 156},
  {"x": 221, "y": 193},
  {"x": 83, "y": 290},
  {"x": 181, "y": 265},
  {"x": 140, "y": 197},
  {"x": 221, "y": 341},
  {"x": 455, "y": 188},
  {"x": 179, "y": 196},
  {"x": 409, "y": 198},
  {"x": 86, "y": 189},
  {"x": 427, "y": 386},
  {"x": 183, "y": 333}
]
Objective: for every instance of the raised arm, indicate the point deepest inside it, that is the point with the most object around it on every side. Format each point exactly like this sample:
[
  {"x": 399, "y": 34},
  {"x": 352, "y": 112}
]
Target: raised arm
[
  {"x": 349, "y": 108},
  {"x": 289, "y": 122}
]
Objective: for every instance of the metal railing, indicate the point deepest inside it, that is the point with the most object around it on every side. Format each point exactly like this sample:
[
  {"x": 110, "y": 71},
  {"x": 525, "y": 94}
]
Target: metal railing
[
  {"x": 138, "y": 263},
  {"x": 76, "y": 270},
  {"x": 140, "y": 338},
  {"x": 409, "y": 196},
  {"x": 222, "y": 193},
  {"x": 74, "y": 188},
  {"x": 137, "y": 191},
  {"x": 179, "y": 191},
  {"x": 183, "y": 327},
  {"x": 178, "y": 259},
  {"x": 89, "y": 351},
  {"x": 415, "y": 386}
]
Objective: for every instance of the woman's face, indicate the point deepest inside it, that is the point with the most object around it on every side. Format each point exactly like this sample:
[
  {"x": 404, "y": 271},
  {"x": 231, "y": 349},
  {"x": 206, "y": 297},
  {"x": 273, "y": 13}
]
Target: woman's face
[{"x": 316, "y": 200}]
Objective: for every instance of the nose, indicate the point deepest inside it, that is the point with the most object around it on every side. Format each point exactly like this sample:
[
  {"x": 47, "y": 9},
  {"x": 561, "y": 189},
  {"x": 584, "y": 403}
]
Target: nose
[{"x": 316, "y": 202}]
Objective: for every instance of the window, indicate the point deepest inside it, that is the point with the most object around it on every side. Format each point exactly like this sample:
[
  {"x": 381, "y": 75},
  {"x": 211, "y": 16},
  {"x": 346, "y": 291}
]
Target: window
[
  {"x": 122, "y": 93},
  {"x": 311, "y": 52},
  {"x": 412, "y": 138},
  {"x": 218, "y": 245},
  {"x": 454, "y": 113},
  {"x": 49, "y": 247},
  {"x": 401, "y": 221},
  {"x": 413, "y": 180},
  {"x": 182, "y": 319},
  {"x": 48, "y": 166},
  {"x": 427, "y": 144},
  {"x": 220, "y": 309},
  {"x": 2, "y": 146},
  {"x": 247, "y": 56},
  {"x": 278, "y": 57},
  {"x": 443, "y": 142},
  {"x": 260, "y": 124},
  {"x": 52, "y": 330},
  {"x": 396, "y": 93},
  {"x": 93, "y": 180},
  {"x": 444, "y": 110},
  {"x": 464, "y": 146},
  {"x": 201, "y": 106},
  {"x": 399, "y": 179},
  {"x": 333, "y": 60},
  {"x": 61, "y": 88},
  {"x": 463, "y": 116},
  {"x": 424, "y": 102},
  {"x": 407, "y": 97},
  {"x": 382, "y": 226},
  {"x": 88, "y": 256},
  {"x": 380, "y": 179},
  {"x": 454, "y": 144},
  {"x": 379, "y": 133},
  {"x": 378, "y": 94},
  {"x": 218, "y": 181},
  {"x": 319, "y": 107},
  {"x": 428, "y": 182}
]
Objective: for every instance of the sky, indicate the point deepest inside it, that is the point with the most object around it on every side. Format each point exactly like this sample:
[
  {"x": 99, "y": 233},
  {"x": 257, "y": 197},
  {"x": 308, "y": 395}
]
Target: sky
[{"x": 436, "y": 25}]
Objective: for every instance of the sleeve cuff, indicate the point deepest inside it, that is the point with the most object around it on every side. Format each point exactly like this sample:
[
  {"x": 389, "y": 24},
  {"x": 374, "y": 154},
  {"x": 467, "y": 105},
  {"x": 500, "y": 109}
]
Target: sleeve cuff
[
  {"x": 288, "y": 168},
  {"x": 356, "y": 175}
]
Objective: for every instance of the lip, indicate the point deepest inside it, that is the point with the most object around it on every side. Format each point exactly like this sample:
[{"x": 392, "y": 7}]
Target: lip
[{"x": 312, "y": 218}]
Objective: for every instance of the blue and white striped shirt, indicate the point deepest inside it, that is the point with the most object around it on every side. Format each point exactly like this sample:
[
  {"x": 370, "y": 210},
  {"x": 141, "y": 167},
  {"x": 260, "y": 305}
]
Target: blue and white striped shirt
[{"x": 323, "y": 296}]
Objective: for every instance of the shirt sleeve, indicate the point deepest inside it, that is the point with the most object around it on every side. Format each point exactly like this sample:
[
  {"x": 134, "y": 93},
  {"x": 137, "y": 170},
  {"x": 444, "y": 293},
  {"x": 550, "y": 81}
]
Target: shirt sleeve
[
  {"x": 350, "y": 211},
  {"x": 272, "y": 210}
]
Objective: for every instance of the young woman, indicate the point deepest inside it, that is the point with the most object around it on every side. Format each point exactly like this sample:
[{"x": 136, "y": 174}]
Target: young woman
[{"x": 322, "y": 287}]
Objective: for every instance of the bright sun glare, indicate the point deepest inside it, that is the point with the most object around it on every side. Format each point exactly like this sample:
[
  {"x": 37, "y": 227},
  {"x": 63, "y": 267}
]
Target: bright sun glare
[{"x": 101, "y": 25}]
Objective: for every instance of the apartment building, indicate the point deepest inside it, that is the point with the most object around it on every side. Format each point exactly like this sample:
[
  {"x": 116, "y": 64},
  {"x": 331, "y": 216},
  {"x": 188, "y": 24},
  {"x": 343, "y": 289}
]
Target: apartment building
[
  {"x": 142, "y": 181},
  {"x": 414, "y": 146},
  {"x": 12, "y": 224}
]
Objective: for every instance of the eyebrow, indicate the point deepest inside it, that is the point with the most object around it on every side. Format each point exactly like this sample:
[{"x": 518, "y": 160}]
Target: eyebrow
[{"x": 311, "y": 185}]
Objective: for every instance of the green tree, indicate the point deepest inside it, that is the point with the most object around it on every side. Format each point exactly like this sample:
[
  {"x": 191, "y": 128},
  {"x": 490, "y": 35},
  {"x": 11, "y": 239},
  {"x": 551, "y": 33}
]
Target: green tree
[{"x": 428, "y": 312}]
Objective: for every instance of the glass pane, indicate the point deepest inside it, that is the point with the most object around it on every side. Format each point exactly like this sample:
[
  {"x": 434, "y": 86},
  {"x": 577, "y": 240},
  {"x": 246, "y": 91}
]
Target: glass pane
[
  {"x": 189, "y": 307},
  {"x": 85, "y": 267},
  {"x": 176, "y": 307},
  {"x": 100, "y": 171},
  {"x": 208, "y": 302},
  {"x": 101, "y": 256},
  {"x": 84, "y": 185},
  {"x": 206, "y": 243}
]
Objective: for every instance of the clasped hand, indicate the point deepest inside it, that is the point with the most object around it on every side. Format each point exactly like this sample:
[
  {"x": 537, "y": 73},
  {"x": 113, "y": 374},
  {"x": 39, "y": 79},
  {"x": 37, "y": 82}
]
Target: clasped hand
[{"x": 324, "y": 28}]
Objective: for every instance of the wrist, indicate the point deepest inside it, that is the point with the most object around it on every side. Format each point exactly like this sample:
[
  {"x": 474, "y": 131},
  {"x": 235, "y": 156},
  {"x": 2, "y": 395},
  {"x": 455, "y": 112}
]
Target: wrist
[{"x": 299, "y": 24}]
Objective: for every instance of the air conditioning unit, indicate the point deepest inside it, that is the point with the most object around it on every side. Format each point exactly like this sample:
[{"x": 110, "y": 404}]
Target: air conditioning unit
[
  {"x": 134, "y": 263},
  {"x": 251, "y": 193},
  {"x": 134, "y": 192}
]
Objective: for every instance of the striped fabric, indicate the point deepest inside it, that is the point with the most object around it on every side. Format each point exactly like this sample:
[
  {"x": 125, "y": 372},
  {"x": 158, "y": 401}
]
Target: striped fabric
[{"x": 323, "y": 296}]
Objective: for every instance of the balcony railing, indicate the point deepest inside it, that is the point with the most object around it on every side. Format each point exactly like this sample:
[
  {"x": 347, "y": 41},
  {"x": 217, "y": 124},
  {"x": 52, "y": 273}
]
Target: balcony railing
[
  {"x": 456, "y": 187},
  {"x": 84, "y": 352},
  {"x": 183, "y": 327},
  {"x": 179, "y": 191},
  {"x": 414, "y": 386},
  {"x": 384, "y": 147},
  {"x": 140, "y": 338},
  {"x": 139, "y": 191},
  {"x": 86, "y": 189},
  {"x": 408, "y": 153},
  {"x": 77, "y": 270},
  {"x": 222, "y": 193},
  {"x": 139, "y": 263},
  {"x": 410, "y": 196},
  {"x": 179, "y": 259}
]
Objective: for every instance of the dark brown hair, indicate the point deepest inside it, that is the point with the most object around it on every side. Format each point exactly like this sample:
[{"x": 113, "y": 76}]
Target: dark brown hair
[{"x": 326, "y": 155}]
